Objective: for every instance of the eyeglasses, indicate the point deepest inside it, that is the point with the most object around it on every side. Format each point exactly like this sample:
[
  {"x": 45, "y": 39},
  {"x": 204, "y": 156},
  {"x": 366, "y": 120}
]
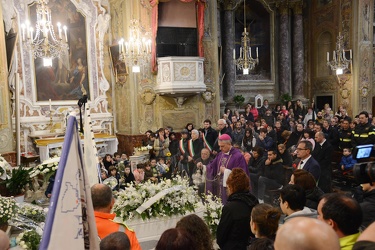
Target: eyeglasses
[{"x": 301, "y": 148}]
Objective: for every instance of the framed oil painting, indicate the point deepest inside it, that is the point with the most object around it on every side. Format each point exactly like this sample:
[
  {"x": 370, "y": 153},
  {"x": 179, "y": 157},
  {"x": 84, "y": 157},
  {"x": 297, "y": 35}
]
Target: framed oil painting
[
  {"x": 120, "y": 70},
  {"x": 68, "y": 78}
]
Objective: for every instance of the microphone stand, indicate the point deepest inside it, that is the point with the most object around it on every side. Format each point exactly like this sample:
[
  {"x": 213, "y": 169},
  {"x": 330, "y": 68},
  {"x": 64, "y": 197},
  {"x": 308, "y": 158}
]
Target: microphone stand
[{"x": 81, "y": 102}]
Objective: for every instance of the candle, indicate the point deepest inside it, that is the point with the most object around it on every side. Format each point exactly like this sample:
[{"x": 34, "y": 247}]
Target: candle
[
  {"x": 241, "y": 52},
  {"x": 234, "y": 54},
  {"x": 59, "y": 28},
  {"x": 334, "y": 55},
  {"x": 31, "y": 33},
  {"x": 257, "y": 52},
  {"x": 350, "y": 54},
  {"x": 327, "y": 56},
  {"x": 23, "y": 26},
  {"x": 66, "y": 36},
  {"x": 50, "y": 105},
  {"x": 250, "y": 51}
]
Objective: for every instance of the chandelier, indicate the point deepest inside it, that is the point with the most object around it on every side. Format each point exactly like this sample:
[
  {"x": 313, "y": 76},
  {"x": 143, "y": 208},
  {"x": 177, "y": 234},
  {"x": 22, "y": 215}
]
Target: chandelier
[
  {"x": 43, "y": 42},
  {"x": 136, "y": 51},
  {"x": 339, "y": 61},
  {"x": 245, "y": 61}
]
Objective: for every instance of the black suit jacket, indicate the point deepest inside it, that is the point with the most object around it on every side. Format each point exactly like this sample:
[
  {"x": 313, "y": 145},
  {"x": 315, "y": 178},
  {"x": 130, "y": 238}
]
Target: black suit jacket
[
  {"x": 323, "y": 155},
  {"x": 313, "y": 167}
]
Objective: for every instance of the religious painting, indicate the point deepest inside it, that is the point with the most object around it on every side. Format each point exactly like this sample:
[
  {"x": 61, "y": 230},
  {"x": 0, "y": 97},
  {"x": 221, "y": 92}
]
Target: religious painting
[
  {"x": 68, "y": 78},
  {"x": 324, "y": 2},
  {"x": 119, "y": 67}
]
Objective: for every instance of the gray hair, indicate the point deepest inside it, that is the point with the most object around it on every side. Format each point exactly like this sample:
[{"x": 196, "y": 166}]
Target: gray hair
[{"x": 194, "y": 131}]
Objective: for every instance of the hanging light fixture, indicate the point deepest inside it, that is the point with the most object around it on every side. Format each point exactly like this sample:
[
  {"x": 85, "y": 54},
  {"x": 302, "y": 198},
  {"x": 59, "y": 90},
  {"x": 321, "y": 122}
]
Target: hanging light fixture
[
  {"x": 43, "y": 42},
  {"x": 245, "y": 61},
  {"x": 339, "y": 61},
  {"x": 137, "y": 50}
]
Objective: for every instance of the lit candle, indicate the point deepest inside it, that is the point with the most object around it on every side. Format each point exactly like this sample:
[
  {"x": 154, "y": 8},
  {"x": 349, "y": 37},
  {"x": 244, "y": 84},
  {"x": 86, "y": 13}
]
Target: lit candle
[
  {"x": 59, "y": 28},
  {"x": 23, "y": 26},
  {"x": 66, "y": 36},
  {"x": 50, "y": 105},
  {"x": 327, "y": 56}
]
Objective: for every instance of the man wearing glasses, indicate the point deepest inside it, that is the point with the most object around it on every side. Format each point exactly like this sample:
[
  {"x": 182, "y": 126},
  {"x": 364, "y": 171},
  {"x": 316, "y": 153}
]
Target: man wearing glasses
[{"x": 307, "y": 162}]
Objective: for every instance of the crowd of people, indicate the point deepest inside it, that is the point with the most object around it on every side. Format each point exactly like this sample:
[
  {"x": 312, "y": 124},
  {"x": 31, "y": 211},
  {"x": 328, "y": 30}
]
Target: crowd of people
[{"x": 253, "y": 158}]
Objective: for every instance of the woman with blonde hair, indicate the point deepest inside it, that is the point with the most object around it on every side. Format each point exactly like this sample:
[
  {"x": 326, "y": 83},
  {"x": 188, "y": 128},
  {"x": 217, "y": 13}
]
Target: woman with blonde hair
[{"x": 233, "y": 231}]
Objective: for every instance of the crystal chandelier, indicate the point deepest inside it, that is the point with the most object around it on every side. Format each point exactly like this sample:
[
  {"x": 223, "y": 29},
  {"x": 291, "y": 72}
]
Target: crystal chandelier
[
  {"x": 339, "y": 61},
  {"x": 245, "y": 61},
  {"x": 43, "y": 42},
  {"x": 135, "y": 52}
]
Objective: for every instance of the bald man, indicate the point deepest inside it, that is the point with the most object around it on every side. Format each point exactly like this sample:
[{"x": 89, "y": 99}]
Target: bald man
[
  {"x": 4, "y": 241},
  {"x": 308, "y": 234}
]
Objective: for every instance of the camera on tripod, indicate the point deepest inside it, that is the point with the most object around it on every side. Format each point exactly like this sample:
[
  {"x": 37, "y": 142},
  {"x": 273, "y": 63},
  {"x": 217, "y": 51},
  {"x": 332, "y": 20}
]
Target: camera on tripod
[{"x": 364, "y": 172}]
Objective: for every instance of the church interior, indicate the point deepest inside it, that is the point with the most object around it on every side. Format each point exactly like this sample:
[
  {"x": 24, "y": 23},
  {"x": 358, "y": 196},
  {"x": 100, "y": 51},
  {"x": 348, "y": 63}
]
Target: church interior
[{"x": 121, "y": 54}]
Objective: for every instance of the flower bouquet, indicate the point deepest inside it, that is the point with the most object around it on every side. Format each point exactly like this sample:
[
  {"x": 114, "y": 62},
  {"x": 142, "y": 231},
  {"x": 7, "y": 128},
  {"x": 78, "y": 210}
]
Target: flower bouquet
[
  {"x": 29, "y": 240},
  {"x": 212, "y": 212},
  {"x": 32, "y": 212},
  {"x": 4, "y": 167},
  {"x": 8, "y": 209},
  {"x": 167, "y": 198},
  {"x": 46, "y": 169}
]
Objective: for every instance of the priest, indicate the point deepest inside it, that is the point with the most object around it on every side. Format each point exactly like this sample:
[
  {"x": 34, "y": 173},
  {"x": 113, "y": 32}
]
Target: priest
[{"x": 220, "y": 168}]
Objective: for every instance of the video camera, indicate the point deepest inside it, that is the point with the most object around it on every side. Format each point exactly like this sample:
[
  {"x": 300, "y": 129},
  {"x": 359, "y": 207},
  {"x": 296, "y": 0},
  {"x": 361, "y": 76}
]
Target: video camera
[{"x": 364, "y": 172}]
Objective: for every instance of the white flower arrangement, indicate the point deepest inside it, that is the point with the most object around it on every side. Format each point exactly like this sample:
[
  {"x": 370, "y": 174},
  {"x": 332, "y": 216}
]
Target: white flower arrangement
[
  {"x": 29, "y": 240},
  {"x": 212, "y": 213},
  {"x": 32, "y": 212},
  {"x": 146, "y": 148},
  {"x": 8, "y": 209},
  {"x": 111, "y": 182},
  {"x": 4, "y": 168},
  {"x": 47, "y": 168},
  {"x": 177, "y": 202}
]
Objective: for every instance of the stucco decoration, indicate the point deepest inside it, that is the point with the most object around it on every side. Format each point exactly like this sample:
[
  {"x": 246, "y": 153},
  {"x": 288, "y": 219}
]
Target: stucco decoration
[
  {"x": 208, "y": 96},
  {"x": 148, "y": 96},
  {"x": 345, "y": 93},
  {"x": 186, "y": 72}
]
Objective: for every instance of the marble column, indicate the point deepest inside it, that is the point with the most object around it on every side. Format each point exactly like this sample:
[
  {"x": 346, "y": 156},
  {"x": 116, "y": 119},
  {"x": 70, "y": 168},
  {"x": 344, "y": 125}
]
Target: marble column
[
  {"x": 298, "y": 51},
  {"x": 228, "y": 45},
  {"x": 284, "y": 50},
  {"x": 6, "y": 131}
]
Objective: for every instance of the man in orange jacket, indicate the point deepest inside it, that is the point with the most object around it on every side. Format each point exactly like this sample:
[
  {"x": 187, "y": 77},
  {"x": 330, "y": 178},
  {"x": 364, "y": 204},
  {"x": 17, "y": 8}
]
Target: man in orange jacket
[{"x": 103, "y": 201}]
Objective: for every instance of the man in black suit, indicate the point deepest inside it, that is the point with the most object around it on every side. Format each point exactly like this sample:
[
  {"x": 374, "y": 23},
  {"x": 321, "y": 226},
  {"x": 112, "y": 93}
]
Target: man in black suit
[
  {"x": 307, "y": 162},
  {"x": 323, "y": 154}
]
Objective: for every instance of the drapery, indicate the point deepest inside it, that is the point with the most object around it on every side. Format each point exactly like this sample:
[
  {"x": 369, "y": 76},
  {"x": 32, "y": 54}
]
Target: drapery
[{"x": 154, "y": 26}]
